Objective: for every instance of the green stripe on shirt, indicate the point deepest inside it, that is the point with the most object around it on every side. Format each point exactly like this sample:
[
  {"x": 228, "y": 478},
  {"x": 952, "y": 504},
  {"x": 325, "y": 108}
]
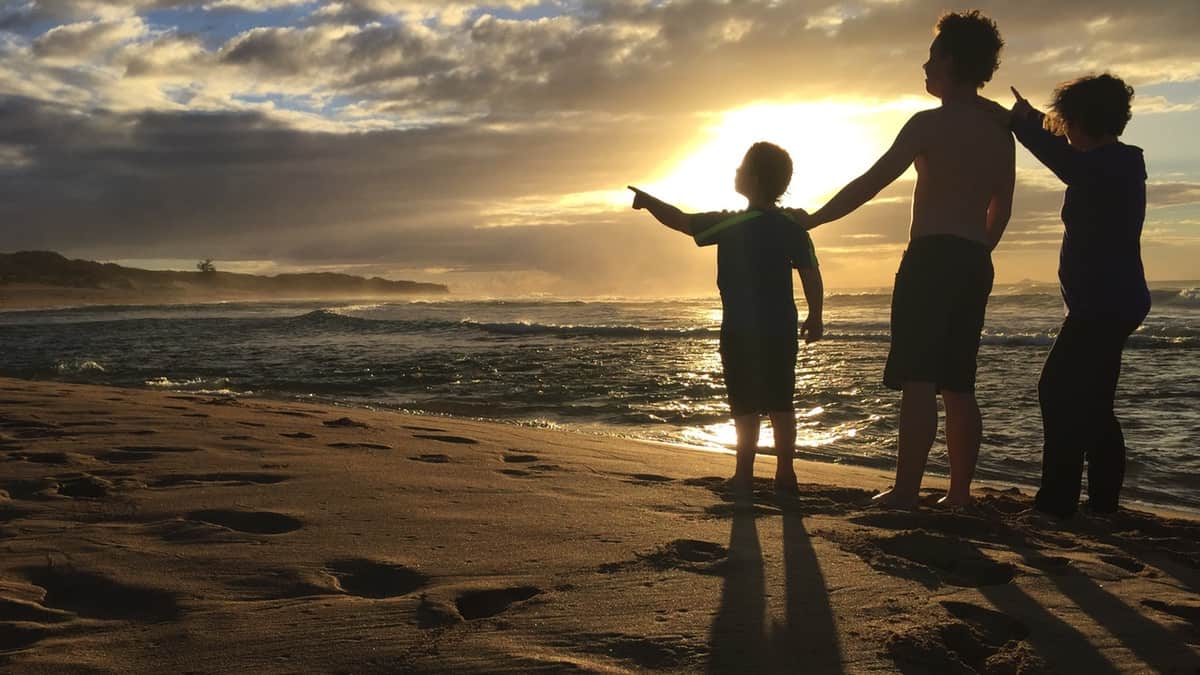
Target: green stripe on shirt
[{"x": 711, "y": 233}]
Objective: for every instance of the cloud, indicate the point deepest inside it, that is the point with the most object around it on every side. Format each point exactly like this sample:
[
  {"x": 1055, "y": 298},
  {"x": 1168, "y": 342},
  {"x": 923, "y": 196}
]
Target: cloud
[
  {"x": 87, "y": 39},
  {"x": 381, "y": 132}
]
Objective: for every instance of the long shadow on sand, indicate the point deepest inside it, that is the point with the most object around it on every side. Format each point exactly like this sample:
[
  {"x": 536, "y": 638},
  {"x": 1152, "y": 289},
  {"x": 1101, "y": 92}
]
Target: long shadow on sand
[{"x": 806, "y": 640}]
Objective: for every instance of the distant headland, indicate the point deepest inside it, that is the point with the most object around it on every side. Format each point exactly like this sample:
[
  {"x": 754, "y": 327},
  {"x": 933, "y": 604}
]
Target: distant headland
[{"x": 48, "y": 279}]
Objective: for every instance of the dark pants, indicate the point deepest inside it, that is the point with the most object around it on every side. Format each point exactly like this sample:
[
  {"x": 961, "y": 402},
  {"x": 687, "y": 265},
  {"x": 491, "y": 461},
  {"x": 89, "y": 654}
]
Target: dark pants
[{"x": 1076, "y": 392}]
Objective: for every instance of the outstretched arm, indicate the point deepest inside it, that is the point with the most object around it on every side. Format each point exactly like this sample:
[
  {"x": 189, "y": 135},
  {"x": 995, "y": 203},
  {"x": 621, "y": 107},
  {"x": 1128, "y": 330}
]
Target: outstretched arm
[
  {"x": 1052, "y": 150},
  {"x": 1000, "y": 207},
  {"x": 666, "y": 214},
  {"x": 887, "y": 169}
]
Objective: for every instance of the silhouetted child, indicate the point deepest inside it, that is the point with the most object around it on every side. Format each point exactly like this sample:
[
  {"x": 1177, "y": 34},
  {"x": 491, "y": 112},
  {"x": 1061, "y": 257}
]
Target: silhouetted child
[
  {"x": 961, "y": 205},
  {"x": 1103, "y": 285},
  {"x": 756, "y": 252}
]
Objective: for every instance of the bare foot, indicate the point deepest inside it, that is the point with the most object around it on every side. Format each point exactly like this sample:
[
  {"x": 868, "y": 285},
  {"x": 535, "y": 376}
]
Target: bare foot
[
  {"x": 786, "y": 484},
  {"x": 956, "y": 502},
  {"x": 890, "y": 499},
  {"x": 740, "y": 483}
]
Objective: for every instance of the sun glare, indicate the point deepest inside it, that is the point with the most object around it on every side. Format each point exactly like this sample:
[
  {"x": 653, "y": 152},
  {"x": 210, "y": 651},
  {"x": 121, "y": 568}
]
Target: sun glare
[{"x": 830, "y": 143}]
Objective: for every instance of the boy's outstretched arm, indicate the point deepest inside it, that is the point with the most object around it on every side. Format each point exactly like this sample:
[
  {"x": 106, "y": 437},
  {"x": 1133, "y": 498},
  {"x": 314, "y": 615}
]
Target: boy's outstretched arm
[
  {"x": 666, "y": 214},
  {"x": 814, "y": 294},
  {"x": 887, "y": 169}
]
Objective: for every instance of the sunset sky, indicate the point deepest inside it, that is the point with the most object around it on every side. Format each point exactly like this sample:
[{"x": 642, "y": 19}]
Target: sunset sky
[{"x": 487, "y": 146}]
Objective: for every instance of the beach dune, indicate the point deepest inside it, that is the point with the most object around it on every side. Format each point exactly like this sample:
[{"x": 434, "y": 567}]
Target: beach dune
[{"x": 150, "y": 532}]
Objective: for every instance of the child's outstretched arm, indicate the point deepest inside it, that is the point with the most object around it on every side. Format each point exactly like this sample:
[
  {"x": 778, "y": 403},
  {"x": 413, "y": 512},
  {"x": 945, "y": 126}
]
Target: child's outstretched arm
[
  {"x": 665, "y": 213},
  {"x": 814, "y": 294},
  {"x": 887, "y": 169}
]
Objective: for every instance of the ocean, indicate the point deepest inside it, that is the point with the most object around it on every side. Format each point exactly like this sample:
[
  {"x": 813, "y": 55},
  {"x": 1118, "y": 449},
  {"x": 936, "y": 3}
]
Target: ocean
[{"x": 644, "y": 369}]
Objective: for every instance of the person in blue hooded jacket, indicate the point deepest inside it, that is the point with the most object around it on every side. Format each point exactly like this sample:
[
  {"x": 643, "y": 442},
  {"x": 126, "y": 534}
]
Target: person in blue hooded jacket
[{"x": 1102, "y": 279}]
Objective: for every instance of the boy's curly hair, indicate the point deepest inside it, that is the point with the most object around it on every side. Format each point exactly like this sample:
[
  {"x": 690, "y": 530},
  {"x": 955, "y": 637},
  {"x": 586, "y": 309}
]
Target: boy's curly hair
[
  {"x": 973, "y": 42},
  {"x": 771, "y": 165},
  {"x": 1098, "y": 103}
]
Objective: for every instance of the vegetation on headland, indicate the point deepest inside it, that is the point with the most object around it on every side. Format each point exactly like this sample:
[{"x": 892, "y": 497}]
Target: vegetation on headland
[{"x": 27, "y": 276}]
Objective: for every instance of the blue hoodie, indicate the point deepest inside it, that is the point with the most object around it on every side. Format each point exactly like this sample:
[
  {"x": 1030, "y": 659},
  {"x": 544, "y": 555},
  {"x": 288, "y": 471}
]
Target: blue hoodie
[{"x": 1100, "y": 264}]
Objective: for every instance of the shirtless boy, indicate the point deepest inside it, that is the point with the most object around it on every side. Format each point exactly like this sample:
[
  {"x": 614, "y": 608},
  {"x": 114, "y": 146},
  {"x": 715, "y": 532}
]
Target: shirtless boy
[{"x": 961, "y": 205}]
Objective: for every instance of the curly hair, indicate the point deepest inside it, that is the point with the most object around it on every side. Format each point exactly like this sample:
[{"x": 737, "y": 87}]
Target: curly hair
[
  {"x": 1098, "y": 103},
  {"x": 973, "y": 42},
  {"x": 771, "y": 165}
]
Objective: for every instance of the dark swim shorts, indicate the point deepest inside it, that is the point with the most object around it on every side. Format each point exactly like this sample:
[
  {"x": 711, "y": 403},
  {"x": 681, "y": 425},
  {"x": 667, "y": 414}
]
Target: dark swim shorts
[
  {"x": 938, "y": 307},
  {"x": 760, "y": 372}
]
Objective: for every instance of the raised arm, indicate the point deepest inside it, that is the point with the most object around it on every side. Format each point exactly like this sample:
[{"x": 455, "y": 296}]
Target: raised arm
[
  {"x": 665, "y": 213},
  {"x": 1000, "y": 207},
  {"x": 1051, "y": 150},
  {"x": 887, "y": 169}
]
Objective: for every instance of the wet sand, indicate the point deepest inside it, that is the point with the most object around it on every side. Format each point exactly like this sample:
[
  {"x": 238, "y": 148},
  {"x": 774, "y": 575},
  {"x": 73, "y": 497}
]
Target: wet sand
[{"x": 150, "y": 532}]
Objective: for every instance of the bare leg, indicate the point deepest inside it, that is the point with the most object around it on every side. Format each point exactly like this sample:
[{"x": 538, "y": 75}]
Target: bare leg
[
  {"x": 918, "y": 427},
  {"x": 964, "y": 430},
  {"x": 783, "y": 424},
  {"x": 747, "y": 447}
]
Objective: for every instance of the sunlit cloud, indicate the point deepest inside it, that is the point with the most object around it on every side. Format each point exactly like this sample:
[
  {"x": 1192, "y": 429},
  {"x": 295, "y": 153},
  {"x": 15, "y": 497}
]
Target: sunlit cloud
[{"x": 441, "y": 137}]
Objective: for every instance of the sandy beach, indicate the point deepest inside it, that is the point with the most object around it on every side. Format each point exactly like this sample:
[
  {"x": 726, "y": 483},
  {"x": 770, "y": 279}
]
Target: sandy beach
[{"x": 150, "y": 532}]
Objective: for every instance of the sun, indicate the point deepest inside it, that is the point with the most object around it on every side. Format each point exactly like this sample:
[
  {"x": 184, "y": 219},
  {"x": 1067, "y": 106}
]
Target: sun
[{"x": 830, "y": 144}]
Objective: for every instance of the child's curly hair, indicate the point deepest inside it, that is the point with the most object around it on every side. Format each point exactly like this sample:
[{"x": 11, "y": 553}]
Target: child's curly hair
[
  {"x": 1098, "y": 103},
  {"x": 973, "y": 42}
]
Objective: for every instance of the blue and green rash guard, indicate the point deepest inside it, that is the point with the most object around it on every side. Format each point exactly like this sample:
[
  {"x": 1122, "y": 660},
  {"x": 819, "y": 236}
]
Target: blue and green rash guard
[{"x": 756, "y": 253}]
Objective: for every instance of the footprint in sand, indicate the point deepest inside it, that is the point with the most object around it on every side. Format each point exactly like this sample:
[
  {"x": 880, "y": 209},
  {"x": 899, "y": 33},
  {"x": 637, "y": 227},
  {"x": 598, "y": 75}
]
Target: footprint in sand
[
  {"x": 30, "y": 489},
  {"x": 43, "y": 457},
  {"x": 84, "y": 486},
  {"x": 996, "y": 627},
  {"x": 365, "y": 446},
  {"x": 447, "y": 439},
  {"x": 927, "y": 558},
  {"x": 958, "y": 647},
  {"x": 642, "y": 478},
  {"x": 432, "y": 613},
  {"x": 140, "y": 453},
  {"x": 253, "y": 522},
  {"x": 374, "y": 579},
  {"x": 1189, "y": 612},
  {"x": 95, "y": 596},
  {"x": 691, "y": 555},
  {"x": 485, "y": 603},
  {"x": 345, "y": 422},
  {"x": 431, "y": 458},
  {"x": 228, "y": 478},
  {"x": 531, "y": 470},
  {"x": 1127, "y": 564},
  {"x": 956, "y": 524}
]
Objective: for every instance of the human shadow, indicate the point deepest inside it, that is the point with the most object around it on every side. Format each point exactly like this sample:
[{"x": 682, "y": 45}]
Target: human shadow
[
  {"x": 738, "y": 642},
  {"x": 805, "y": 640}
]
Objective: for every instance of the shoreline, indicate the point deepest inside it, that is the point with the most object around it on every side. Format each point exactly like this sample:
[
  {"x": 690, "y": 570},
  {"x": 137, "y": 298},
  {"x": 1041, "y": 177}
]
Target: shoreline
[
  {"x": 934, "y": 481},
  {"x": 150, "y": 532}
]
